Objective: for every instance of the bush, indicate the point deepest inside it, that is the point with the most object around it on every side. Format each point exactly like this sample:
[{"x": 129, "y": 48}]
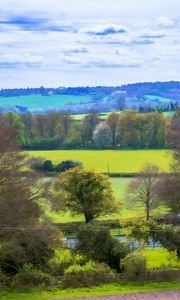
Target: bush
[
  {"x": 28, "y": 247},
  {"x": 67, "y": 164},
  {"x": 30, "y": 277},
  {"x": 62, "y": 259},
  {"x": 99, "y": 245},
  {"x": 4, "y": 279},
  {"x": 134, "y": 265},
  {"x": 47, "y": 166},
  {"x": 87, "y": 275},
  {"x": 36, "y": 163},
  {"x": 39, "y": 164}
]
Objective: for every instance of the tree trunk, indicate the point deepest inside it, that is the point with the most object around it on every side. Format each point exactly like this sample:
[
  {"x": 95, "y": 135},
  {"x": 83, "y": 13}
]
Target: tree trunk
[
  {"x": 147, "y": 212},
  {"x": 88, "y": 218}
]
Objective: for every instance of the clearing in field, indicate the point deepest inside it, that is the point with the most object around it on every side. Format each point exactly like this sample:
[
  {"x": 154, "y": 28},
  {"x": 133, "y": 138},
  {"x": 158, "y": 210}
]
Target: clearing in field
[{"x": 112, "y": 161}]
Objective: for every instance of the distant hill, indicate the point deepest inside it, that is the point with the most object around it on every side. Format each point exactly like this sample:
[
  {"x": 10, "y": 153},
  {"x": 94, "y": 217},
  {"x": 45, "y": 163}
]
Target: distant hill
[{"x": 142, "y": 96}]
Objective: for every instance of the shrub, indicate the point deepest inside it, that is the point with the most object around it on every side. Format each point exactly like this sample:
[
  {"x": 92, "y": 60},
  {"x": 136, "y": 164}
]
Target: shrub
[
  {"x": 47, "y": 166},
  {"x": 36, "y": 163},
  {"x": 4, "y": 279},
  {"x": 30, "y": 277},
  {"x": 87, "y": 275},
  {"x": 27, "y": 247},
  {"x": 98, "y": 245},
  {"x": 63, "y": 259},
  {"x": 67, "y": 164},
  {"x": 134, "y": 265}
]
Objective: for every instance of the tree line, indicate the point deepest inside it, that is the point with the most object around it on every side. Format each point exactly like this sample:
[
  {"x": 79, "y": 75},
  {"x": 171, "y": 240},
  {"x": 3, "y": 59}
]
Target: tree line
[{"x": 128, "y": 129}]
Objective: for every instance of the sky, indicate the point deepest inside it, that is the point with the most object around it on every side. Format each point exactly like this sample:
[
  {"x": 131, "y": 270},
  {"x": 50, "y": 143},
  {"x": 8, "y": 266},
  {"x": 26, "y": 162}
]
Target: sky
[{"x": 88, "y": 42}]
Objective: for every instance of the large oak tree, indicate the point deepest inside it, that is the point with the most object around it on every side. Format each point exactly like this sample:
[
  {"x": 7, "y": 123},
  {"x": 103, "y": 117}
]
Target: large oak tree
[{"x": 84, "y": 192}]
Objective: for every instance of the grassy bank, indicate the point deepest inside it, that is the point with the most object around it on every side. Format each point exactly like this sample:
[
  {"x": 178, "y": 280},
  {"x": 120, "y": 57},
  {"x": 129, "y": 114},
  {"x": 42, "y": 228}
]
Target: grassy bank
[{"x": 110, "y": 289}]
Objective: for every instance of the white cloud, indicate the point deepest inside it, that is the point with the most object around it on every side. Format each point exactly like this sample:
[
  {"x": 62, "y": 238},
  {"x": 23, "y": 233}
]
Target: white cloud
[
  {"x": 166, "y": 22},
  {"x": 88, "y": 42}
]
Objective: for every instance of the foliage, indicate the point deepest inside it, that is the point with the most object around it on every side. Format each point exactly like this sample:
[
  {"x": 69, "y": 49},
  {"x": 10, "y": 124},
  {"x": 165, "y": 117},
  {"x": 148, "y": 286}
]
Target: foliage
[
  {"x": 141, "y": 130},
  {"x": 134, "y": 264},
  {"x": 30, "y": 246},
  {"x": 47, "y": 166},
  {"x": 89, "y": 124},
  {"x": 30, "y": 277},
  {"x": 102, "y": 135},
  {"x": 139, "y": 230},
  {"x": 169, "y": 237},
  {"x": 99, "y": 245},
  {"x": 160, "y": 259},
  {"x": 66, "y": 165},
  {"x": 84, "y": 192},
  {"x": 112, "y": 122},
  {"x": 35, "y": 163},
  {"x": 24, "y": 238},
  {"x": 168, "y": 186},
  {"x": 63, "y": 259},
  {"x": 89, "y": 274}
]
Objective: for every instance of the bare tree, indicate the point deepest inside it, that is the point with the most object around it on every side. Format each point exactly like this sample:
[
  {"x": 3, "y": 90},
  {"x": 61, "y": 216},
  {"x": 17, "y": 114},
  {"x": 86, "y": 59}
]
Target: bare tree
[
  {"x": 141, "y": 190},
  {"x": 168, "y": 186}
]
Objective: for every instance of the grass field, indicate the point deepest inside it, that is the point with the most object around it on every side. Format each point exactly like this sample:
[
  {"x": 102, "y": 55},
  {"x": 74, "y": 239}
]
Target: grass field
[
  {"x": 160, "y": 259},
  {"x": 119, "y": 161},
  {"x": 38, "y": 102},
  {"x": 108, "y": 289},
  {"x": 80, "y": 117}
]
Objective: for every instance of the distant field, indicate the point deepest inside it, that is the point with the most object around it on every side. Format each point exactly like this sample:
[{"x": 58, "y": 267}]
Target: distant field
[
  {"x": 104, "y": 115},
  {"x": 119, "y": 161},
  {"x": 38, "y": 102},
  {"x": 80, "y": 117},
  {"x": 160, "y": 99}
]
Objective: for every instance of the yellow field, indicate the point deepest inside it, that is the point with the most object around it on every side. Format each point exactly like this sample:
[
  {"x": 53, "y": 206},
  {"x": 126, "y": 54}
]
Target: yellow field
[{"x": 117, "y": 161}]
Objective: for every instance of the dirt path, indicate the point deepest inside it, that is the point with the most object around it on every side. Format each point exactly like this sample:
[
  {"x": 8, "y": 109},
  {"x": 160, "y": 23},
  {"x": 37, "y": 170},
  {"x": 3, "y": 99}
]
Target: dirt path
[{"x": 173, "y": 295}]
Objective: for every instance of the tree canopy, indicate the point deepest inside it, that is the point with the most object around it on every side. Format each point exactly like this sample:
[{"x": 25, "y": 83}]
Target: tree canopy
[{"x": 85, "y": 192}]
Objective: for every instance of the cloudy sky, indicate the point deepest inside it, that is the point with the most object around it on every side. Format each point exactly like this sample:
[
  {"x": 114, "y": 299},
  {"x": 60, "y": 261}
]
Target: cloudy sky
[{"x": 88, "y": 42}]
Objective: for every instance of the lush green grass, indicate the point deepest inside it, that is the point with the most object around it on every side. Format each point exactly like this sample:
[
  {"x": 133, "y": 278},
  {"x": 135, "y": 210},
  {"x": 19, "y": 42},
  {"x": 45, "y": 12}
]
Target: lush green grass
[
  {"x": 38, "y": 102},
  {"x": 108, "y": 289},
  {"x": 160, "y": 258},
  {"x": 119, "y": 161}
]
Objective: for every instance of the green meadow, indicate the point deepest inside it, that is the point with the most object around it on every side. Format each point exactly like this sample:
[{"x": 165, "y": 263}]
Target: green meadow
[
  {"x": 39, "y": 102},
  {"x": 116, "y": 161}
]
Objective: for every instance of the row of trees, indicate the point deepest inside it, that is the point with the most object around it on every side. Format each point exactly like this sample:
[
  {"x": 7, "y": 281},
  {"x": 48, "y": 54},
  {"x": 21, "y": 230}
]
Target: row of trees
[{"x": 60, "y": 131}]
